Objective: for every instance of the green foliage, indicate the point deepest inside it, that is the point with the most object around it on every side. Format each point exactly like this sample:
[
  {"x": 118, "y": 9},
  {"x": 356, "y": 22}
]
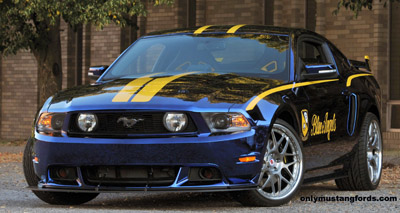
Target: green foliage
[
  {"x": 358, "y": 5},
  {"x": 24, "y": 23}
]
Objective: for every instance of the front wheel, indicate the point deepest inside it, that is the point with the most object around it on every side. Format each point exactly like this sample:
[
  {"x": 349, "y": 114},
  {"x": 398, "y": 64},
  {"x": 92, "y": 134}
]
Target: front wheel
[
  {"x": 56, "y": 198},
  {"x": 282, "y": 172}
]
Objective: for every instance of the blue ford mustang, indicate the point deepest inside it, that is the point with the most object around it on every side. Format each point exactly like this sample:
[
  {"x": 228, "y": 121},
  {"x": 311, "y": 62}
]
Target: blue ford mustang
[{"x": 254, "y": 110}]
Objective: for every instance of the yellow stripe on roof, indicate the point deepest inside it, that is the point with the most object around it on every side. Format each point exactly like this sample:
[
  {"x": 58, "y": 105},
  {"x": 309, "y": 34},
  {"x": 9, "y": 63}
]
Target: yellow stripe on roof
[
  {"x": 235, "y": 28},
  {"x": 348, "y": 83},
  {"x": 259, "y": 97},
  {"x": 152, "y": 88},
  {"x": 201, "y": 29}
]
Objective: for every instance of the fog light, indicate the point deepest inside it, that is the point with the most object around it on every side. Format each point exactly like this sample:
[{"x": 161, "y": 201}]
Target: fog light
[
  {"x": 87, "y": 122},
  {"x": 206, "y": 173},
  {"x": 62, "y": 173},
  {"x": 175, "y": 122}
]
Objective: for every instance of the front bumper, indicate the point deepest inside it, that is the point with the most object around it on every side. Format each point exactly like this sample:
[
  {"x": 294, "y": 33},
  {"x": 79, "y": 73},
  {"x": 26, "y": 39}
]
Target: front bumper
[{"x": 184, "y": 153}]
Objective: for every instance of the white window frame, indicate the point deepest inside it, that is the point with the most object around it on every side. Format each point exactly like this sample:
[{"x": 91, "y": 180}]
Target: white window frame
[{"x": 389, "y": 115}]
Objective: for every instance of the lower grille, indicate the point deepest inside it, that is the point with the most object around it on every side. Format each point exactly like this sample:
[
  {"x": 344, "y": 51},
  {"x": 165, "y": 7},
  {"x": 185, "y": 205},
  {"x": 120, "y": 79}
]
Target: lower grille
[{"x": 129, "y": 176}]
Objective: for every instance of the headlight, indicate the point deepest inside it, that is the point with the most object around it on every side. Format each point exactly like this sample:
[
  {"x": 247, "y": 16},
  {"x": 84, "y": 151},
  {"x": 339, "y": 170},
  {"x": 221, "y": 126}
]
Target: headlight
[
  {"x": 87, "y": 122},
  {"x": 226, "y": 122},
  {"x": 175, "y": 122},
  {"x": 50, "y": 123}
]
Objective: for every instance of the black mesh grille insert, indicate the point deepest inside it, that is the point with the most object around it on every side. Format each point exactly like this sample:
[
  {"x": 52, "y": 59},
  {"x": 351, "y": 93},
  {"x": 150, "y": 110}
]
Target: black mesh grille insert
[
  {"x": 139, "y": 176},
  {"x": 108, "y": 125}
]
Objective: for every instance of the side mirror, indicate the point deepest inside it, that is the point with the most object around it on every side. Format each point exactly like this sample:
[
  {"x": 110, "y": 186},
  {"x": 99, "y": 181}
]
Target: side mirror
[
  {"x": 319, "y": 71},
  {"x": 96, "y": 71}
]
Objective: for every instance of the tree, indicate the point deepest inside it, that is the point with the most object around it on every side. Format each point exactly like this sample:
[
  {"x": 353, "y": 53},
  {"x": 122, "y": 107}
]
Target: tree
[
  {"x": 358, "y": 5},
  {"x": 35, "y": 25}
]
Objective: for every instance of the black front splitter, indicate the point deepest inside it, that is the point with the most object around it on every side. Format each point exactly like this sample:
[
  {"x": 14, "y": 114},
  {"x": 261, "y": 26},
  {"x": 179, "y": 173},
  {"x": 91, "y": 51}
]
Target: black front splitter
[{"x": 122, "y": 189}]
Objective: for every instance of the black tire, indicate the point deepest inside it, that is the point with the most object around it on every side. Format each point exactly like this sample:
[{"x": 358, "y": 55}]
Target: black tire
[
  {"x": 358, "y": 176},
  {"x": 255, "y": 197},
  {"x": 56, "y": 198}
]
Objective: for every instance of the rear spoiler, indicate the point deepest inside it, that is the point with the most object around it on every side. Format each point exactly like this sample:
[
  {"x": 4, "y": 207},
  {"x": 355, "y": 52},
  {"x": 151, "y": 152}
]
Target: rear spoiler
[{"x": 361, "y": 64}]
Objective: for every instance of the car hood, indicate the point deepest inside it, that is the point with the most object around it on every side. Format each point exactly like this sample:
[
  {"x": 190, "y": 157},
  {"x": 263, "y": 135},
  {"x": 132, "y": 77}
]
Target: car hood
[{"x": 188, "y": 92}]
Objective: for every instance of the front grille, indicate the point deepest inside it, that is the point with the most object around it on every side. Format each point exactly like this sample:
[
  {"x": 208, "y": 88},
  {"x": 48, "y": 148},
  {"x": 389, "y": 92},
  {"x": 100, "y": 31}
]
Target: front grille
[
  {"x": 129, "y": 176},
  {"x": 108, "y": 126}
]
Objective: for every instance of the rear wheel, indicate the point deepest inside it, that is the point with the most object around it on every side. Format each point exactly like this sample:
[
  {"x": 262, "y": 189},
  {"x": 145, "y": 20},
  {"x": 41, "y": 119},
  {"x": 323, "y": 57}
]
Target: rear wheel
[
  {"x": 366, "y": 166},
  {"x": 282, "y": 172},
  {"x": 56, "y": 198}
]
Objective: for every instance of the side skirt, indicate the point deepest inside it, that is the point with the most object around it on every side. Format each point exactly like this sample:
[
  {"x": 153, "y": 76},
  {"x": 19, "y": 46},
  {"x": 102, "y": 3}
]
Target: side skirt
[{"x": 332, "y": 176}]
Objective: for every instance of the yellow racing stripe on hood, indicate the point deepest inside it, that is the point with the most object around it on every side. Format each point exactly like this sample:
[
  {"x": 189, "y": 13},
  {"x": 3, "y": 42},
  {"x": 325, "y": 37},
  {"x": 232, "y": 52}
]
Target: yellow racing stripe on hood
[
  {"x": 235, "y": 28},
  {"x": 126, "y": 93},
  {"x": 259, "y": 97},
  {"x": 152, "y": 88}
]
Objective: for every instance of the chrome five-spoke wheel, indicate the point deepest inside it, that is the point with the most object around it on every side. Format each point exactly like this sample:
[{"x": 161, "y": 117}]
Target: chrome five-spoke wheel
[
  {"x": 282, "y": 168},
  {"x": 364, "y": 167},
  {"x": 374, "y": 151},
  {"x": 281, "y": 173}
]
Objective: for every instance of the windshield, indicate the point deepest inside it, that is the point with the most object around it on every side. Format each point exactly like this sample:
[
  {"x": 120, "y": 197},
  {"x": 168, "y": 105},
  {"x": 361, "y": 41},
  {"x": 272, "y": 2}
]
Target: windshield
[{"x": 252, "y": 55}]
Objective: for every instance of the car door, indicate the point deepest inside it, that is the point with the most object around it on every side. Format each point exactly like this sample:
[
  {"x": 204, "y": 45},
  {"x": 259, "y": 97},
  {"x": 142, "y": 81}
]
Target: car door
[
  {"x": 327, "y": 110},
  {"x": 353, "y": 103}
]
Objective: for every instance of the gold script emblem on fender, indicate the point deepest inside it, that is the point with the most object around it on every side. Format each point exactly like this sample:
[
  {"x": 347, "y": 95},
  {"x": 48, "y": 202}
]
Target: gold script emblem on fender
[{"x": 323, "y": 127}]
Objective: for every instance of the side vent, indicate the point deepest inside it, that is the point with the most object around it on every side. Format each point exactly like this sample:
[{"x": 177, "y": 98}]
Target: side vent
[{"x": 352, "y": 117}]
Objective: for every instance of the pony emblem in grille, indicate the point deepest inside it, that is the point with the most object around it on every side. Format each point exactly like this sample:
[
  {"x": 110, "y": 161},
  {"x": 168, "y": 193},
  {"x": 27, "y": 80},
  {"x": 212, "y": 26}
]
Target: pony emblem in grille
[{"x": 129, "y": 122}]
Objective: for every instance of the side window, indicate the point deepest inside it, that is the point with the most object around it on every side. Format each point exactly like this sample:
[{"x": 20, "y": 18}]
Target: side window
[
  {"x": 315, "y": 60},
  {"x": 341, "y": 60},
  {"x": 312, "y": 53}
]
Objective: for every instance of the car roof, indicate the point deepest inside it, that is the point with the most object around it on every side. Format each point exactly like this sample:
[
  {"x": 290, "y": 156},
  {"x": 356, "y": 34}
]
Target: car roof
[{"x": 237, "y": 28}]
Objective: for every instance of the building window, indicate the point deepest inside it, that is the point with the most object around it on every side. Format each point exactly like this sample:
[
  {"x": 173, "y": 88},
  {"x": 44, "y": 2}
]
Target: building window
[
  {"x": 394, "y": 102},
  {"x": 395, "y": 115}
]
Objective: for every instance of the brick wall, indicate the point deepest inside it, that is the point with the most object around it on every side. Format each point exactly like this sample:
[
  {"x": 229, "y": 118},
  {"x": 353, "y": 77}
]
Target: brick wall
[
  {"x": 201, "y": 12},
  {"x": 289, "y": 13},
  {"x": 391, "y": 140},
  {"x": 86, "y": 63},
  {"x": 19, "y": 98},
  {"x": 395, "y": 53},
  {"x": 162, "y": 17},
  {"x": 105, "y": 45},
  {"x": 220, "y": 12},
  {"x": 64, "y": 55},
  {"x": 394, "y": 92}
]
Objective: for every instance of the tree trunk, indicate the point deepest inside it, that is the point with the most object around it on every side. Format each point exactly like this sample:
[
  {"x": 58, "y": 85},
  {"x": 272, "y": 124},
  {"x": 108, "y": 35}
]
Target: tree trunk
[{"x": 49, "y": 65}]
